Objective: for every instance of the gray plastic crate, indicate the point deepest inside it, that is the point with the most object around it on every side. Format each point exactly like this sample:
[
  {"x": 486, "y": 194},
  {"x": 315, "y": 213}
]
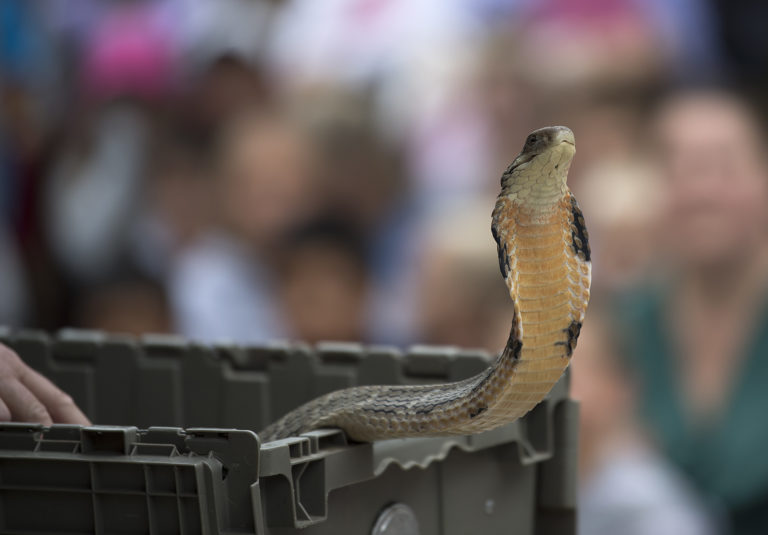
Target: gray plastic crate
[{"x": 176, "y": 451}]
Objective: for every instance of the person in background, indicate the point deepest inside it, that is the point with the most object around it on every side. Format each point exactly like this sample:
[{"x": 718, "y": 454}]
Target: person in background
[
  {"x": 175, "y": 208},
  {"x": 361, "y": 178},
  {"x": 221, "y": 287},
  {"x": 625, "y": 484},
  {"x": 324, "y": 282},
  {"x": 129, "y": 303},
  {"x": 92, "y": 190},
  {"x": 622, "y": 197},
  {"x": 698, "y": 340}
]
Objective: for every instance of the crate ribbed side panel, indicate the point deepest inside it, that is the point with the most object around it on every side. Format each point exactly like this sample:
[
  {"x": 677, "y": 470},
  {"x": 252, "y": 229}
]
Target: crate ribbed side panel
[{"x": 68, "y": 479}]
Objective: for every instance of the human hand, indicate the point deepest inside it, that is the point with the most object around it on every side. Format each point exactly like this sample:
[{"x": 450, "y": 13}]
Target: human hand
[{"x": 27, "y": 396}]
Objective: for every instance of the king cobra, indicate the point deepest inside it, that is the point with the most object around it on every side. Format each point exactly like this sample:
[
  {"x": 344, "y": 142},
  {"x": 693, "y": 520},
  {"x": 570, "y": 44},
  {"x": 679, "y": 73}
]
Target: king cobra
[{"x": 544, "y": 257}]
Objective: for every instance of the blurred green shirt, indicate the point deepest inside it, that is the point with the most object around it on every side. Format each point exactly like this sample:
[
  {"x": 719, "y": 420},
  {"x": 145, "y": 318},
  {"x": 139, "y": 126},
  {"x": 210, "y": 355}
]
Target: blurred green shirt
[{"x": 726, "y": 458}]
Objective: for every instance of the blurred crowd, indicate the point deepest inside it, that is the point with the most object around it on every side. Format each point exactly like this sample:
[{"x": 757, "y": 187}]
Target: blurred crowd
[{"x": 245, "y": 170}]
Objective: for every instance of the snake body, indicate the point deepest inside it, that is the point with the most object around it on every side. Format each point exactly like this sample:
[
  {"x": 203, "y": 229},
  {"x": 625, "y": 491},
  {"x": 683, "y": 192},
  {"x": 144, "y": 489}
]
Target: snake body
[{"x": 544, "y": 257}]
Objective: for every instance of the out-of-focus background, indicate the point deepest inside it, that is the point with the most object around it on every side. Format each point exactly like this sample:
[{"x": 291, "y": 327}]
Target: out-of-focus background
[{"x": 243, "y": 170}]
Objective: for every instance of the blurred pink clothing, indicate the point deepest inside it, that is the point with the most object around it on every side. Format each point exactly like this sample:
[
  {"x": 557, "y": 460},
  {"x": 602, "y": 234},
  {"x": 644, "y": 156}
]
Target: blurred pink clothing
[{"x": 130, "y": 52}]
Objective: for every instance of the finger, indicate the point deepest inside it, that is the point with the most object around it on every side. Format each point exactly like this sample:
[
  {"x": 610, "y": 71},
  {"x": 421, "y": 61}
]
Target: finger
[
  {"x": 5, "y": 412},
  {"x": 24, "y": 406},
  {"x": 59, "y": 405}
]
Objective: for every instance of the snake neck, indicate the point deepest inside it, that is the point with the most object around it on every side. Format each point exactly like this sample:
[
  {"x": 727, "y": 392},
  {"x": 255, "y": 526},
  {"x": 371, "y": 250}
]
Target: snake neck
[
  {"x": 537, "y": 182},
  {"x": 548, "y": 283}
]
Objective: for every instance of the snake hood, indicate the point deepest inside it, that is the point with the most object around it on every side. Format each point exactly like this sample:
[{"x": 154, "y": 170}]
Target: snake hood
[{"x": 544, "y": 258}]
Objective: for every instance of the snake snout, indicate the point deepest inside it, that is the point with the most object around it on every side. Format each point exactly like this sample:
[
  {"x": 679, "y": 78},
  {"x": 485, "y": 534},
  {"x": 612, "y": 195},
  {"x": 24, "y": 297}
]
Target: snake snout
[{"x": 563, "y": 134}]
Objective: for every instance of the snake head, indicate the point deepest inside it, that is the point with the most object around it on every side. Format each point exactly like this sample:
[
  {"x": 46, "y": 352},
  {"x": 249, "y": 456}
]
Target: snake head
[
  {"x": 547, "y": 138},
  {"x": 542, "y": 166}
]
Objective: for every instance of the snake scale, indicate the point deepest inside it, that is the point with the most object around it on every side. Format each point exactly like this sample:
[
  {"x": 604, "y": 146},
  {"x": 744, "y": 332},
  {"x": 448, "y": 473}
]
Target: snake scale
[{"x": 544, "y": 257}]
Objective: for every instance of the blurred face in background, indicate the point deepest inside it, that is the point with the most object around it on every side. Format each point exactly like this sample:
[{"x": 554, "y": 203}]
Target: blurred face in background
[
  {"x": 265, "y": 178},
  {"x": 621, "y": 198},
  {"x": 324, "y": 289},
  {"x": 716, "y": 197},
  {"x": 228, "y": 87},
  {"x": 132, "y": 305}
]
